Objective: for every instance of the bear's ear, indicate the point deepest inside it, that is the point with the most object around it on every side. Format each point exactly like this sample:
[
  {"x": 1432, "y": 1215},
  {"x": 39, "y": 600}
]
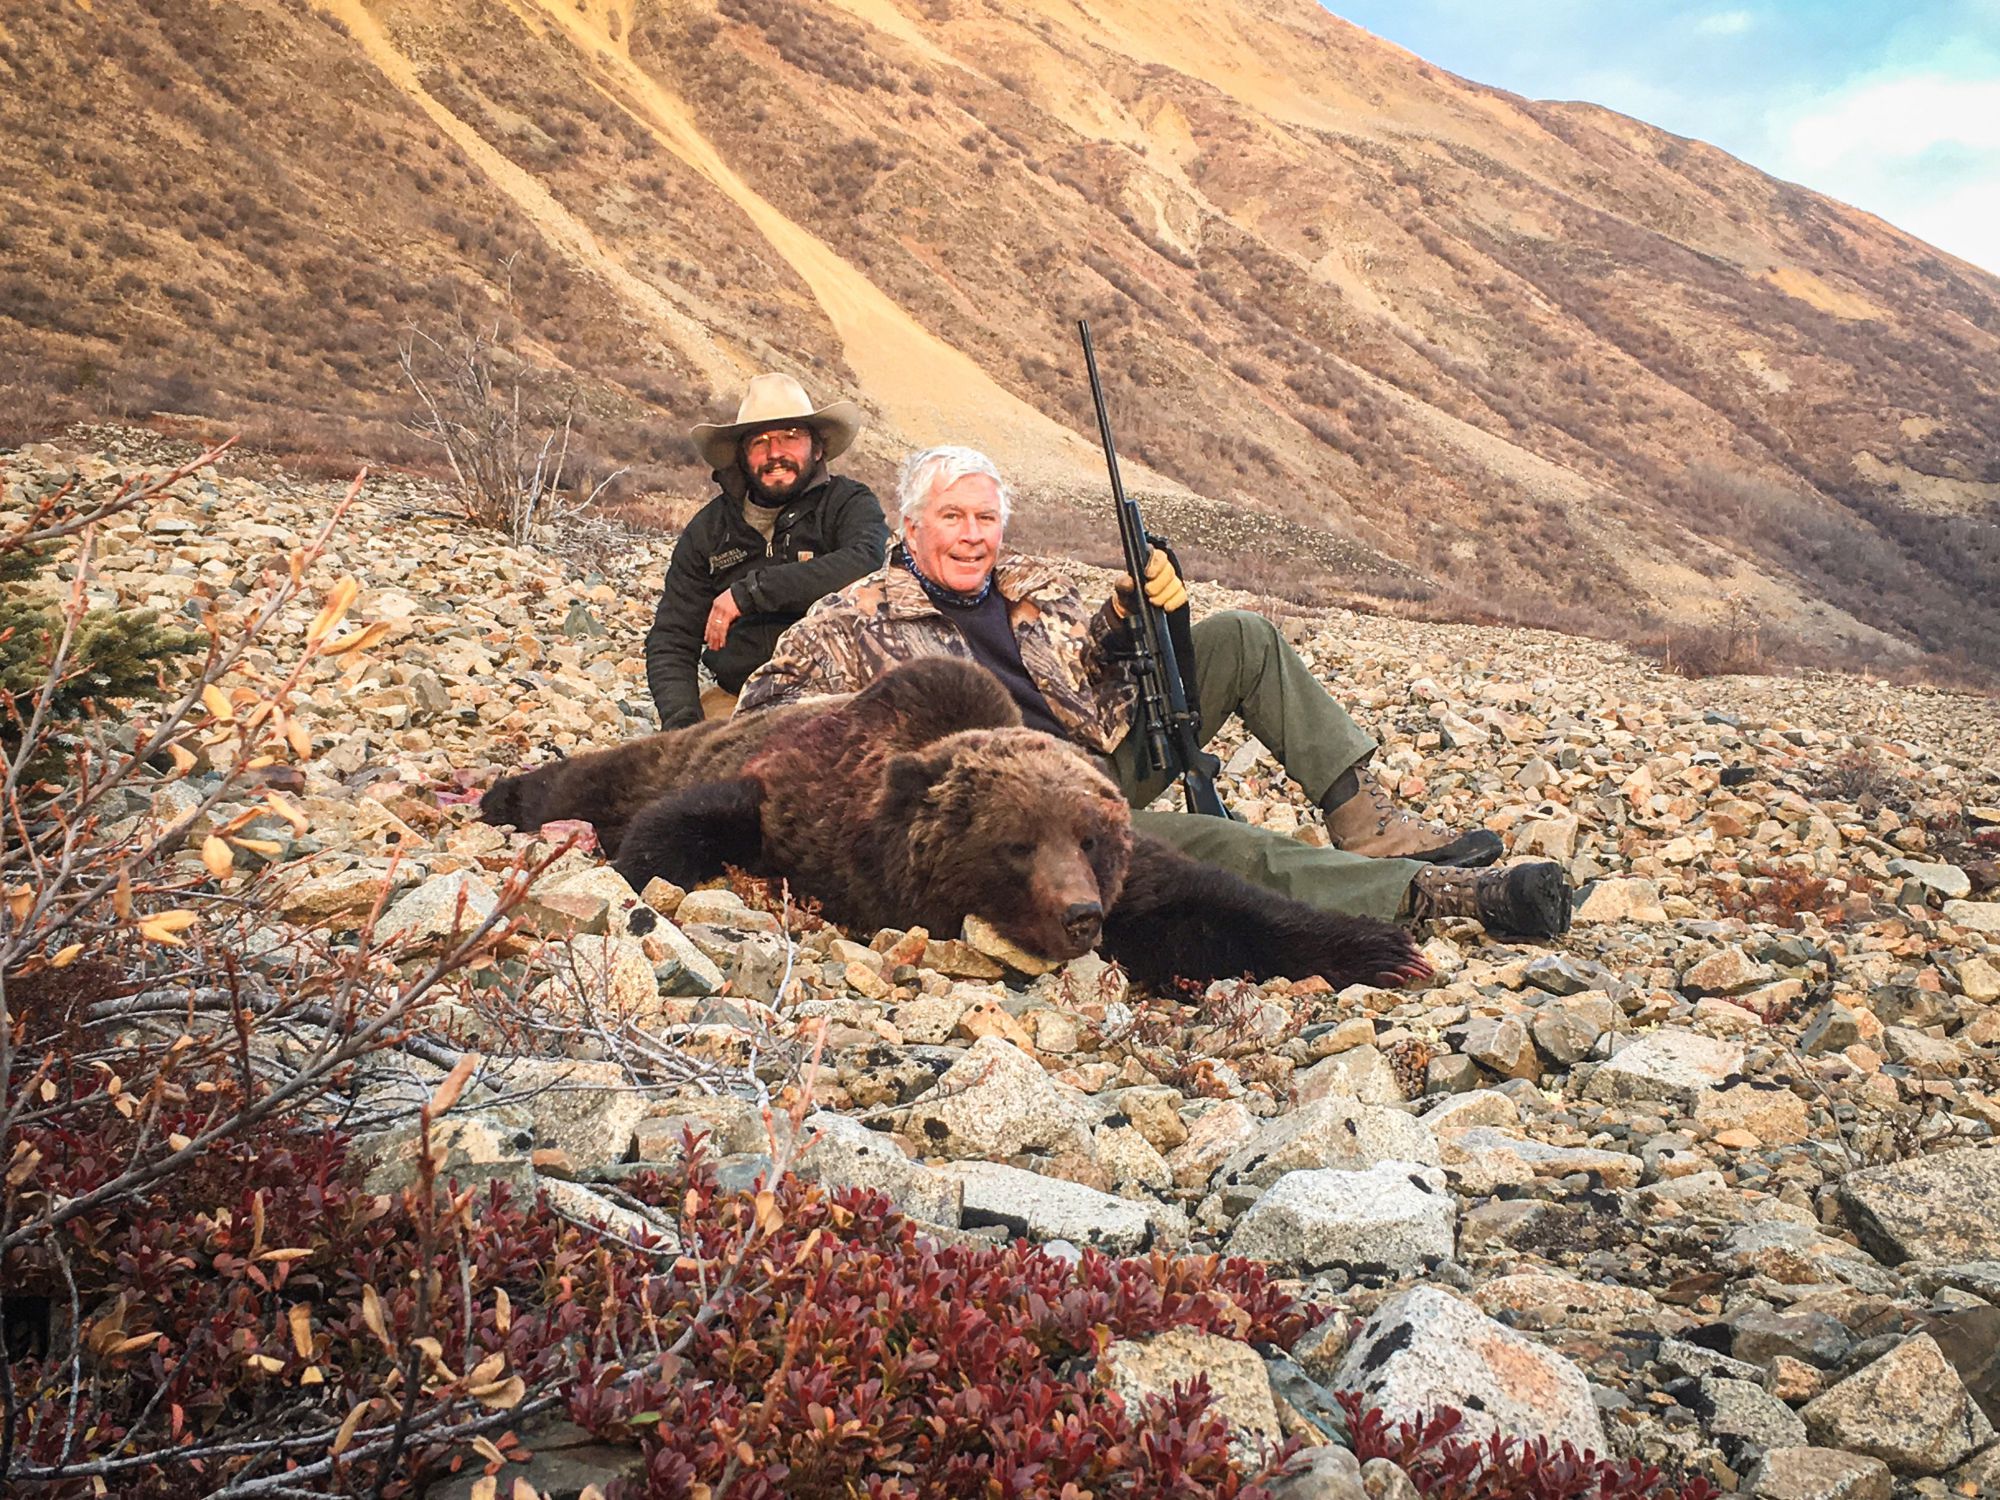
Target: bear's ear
[{"x": 907, "y": 779}]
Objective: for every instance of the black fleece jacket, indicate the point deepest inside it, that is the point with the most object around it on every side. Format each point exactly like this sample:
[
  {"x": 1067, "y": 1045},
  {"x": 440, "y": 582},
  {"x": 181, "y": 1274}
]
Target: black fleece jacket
[{"x": 829, "y": 534}]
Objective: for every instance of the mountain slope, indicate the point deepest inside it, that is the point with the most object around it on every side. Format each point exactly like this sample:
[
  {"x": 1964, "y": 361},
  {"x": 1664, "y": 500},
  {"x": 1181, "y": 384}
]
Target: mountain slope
[{"x": 1528, "y": 354}]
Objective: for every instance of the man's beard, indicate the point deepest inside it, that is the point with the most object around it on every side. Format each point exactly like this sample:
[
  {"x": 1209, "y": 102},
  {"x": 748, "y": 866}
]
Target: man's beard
[{"x": 785, "y": 485}]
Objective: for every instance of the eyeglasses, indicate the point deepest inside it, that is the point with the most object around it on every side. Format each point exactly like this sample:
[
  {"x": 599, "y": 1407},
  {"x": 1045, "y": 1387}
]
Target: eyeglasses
[{"x": 771, "y": 437}]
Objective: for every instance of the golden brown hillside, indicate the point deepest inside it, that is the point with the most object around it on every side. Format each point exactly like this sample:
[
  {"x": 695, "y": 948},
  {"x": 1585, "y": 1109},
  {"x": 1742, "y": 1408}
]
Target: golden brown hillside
[{"x": 1474, "y": 350}]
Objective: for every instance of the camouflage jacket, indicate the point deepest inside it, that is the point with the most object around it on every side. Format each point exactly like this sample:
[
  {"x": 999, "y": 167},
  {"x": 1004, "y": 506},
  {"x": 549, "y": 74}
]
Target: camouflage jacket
[{"x": 850, "y": 638}]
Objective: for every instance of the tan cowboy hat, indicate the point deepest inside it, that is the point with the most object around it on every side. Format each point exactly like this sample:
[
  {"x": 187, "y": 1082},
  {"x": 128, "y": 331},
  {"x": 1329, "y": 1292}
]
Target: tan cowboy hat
[{"x": 775, "y": 401}]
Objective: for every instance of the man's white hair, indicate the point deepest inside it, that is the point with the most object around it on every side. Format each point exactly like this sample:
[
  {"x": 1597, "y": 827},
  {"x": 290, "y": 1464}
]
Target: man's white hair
[{"x": 925, "y": 473}]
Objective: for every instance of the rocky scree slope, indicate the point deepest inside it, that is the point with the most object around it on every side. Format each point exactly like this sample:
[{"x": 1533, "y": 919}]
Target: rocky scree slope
[
  {"x": 1534, "y": 354},
  {"x": 1711, "y": 1181}
]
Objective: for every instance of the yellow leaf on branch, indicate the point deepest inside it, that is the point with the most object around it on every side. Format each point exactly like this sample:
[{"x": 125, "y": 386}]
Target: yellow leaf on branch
[
  {"x": 358, "y": 640},
  {"x": 183, "y": 758},
  {"x": 349, "y": 1427},
  {"x": 217, "y": 857},
  {"x": 217, "y": 703},
  {"x": 453, "y": 1085},
  {"x": 165, "y": 926},
  {"x": 300, "y": 1317},
  {"x": 338, "y": 601},
  {"x": 66, "y": 956}
]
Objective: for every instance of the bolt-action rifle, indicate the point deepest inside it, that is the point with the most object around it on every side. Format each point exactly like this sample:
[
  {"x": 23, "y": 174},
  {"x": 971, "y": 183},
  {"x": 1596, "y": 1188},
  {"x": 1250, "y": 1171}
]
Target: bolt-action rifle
[{"x": 1168, "y": 722}]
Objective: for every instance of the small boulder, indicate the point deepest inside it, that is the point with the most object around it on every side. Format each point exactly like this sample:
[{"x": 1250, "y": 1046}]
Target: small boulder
[
  {"x": 1671, "y": 1066},
  {"x": 1395, "y": 1217},
  {"x": 996, "y": 1101},
  {"x": 1426, "y": 1348},
  {"x": 1029, "y": 1205},
  {"x": 1945, "y": 1206},
  {"x": 1802, "y": 1473},
  {"x": 1908, "y": 1409},
  {"x": 1148, "y": 1369}
]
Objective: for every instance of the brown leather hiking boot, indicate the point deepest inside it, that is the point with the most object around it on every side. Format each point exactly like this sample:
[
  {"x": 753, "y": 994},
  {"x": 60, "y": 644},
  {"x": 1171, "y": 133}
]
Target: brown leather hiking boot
[
  {"x": 1528, "y": 900},
  {"x": 1369, "y": 823}
]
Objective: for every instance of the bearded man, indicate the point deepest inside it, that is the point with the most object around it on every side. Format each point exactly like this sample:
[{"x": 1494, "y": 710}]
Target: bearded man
[{"x": 782, "y": 533}]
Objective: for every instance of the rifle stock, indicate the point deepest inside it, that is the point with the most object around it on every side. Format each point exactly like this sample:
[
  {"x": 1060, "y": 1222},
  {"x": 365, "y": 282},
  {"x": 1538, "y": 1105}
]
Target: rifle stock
[{"x": 1169, "y": 726}]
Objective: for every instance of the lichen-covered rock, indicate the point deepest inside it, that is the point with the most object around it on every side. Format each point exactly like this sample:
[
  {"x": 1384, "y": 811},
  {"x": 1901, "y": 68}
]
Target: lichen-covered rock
[
  {"x": 847, "y": 1154},
  {"x": 1148, "y": 1369},
  {"x": 1669, "y": 1065},
  {"x": 1330, "y": 1132},
  {"x": 1425, "y": 1348},
  {"x": 1908, "y": 1409},
  {"x": 1394, "y": 1217},
  {"x": 1804, "y": 1473},
  {"x": 996, "y": 1101},
  {"x": 1943, "y": 1206},
  {"x": 1027, "y": 1204}
]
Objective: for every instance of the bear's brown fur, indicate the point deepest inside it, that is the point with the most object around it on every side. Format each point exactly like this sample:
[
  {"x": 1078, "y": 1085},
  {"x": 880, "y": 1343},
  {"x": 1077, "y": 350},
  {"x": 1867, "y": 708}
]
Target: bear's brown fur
[
  {"x": 608, "y": 788},
  {"x": 891, "y": 811}
]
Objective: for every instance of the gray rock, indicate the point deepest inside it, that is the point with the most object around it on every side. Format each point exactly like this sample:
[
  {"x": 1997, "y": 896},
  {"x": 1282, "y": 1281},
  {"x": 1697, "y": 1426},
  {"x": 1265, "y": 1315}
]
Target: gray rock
[
  {"x": 1682, "y": 1357},
  {"x": 1329, "y": 1472},
  {"x": 686, "y": 972},
  {"x": 1358, "y": 1073},
  {"x": 1908, "y": 1409},
  {"x": 1027, "y": 1204},
  {"x": 1744, "y": 1420},
  {"x": 1836, "y": 1027},
  {"x": 592, "y": 1207},
  {"x": 996, "y": 1101},
  {"x": 1796, "y": 1255},
  {"x": 1394, "y": 1217},
  {"x": 472, "y": 1148},
  {"x": 1761, "y": 1334},
  {"x": 1726, "y": 972},
  {"x": 1978, "y": 916},
  {"x": 1802, "y": 1473},
  {"x": 1329, "y": 1132},
  {"x": 1567, "y": 1030},
  {"x": 1463, "y": 1150},
  {"x": 433, "y": 909},
  {"x": 1769, "y": 1111},
  {"x": 567, "y": 1461},
  {"x": 1945, "y": 1206},
  {"x": 1149, "y": 1369},
  {"x": 1560, "y": 974},
  {"x": 847, "y": 1154},
  {"x": 586, "y": 1110},
  {"x": 1382, "y": 1479},
  {"x": 1500, "y": 1044},
  {"x": 1945, "y": 880},
  {"x": 1425, "y": 1348},
  {"x": 1668, "y": 1065}
]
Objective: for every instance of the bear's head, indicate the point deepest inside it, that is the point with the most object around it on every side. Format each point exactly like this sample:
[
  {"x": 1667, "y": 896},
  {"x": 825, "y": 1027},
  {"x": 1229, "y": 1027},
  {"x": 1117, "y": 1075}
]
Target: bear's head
[{"x": 1011, "y": 825}]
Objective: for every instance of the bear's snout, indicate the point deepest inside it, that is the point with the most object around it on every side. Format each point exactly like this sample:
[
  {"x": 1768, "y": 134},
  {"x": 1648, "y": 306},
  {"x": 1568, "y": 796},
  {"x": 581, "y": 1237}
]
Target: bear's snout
[{"x": 1084, "y": 923}]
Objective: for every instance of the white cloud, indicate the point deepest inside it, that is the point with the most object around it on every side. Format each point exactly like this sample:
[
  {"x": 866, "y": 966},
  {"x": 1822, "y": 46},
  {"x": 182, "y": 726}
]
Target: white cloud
[
  {"x": 1725, "y": 23},
  {"x": 1921, "y": 150},
  {"x": 1897, "y": 118}
]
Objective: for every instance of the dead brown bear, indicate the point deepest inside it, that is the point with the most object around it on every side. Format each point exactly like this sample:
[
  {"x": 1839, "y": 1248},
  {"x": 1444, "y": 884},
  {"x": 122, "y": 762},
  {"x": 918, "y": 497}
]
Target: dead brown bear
[
  {"x": 921, "y": 800},
  {"x": 608, "y": 788}
]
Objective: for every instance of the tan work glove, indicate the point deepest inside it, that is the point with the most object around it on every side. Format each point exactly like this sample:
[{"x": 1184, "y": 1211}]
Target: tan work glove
[{"x": 1164, "y": 588}]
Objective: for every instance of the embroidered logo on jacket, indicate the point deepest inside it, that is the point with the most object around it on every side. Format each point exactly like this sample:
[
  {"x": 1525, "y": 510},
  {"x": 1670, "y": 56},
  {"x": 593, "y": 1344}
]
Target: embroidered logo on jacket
[{"x": 728, "y": 559}]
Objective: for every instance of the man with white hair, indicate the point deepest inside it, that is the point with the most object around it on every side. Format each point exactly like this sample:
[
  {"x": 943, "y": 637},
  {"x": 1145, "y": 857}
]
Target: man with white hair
[{"x": 949, "y": 589}]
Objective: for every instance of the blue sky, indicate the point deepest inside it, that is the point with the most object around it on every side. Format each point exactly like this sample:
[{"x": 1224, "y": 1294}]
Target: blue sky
[{"x": 1893, "y": 107}]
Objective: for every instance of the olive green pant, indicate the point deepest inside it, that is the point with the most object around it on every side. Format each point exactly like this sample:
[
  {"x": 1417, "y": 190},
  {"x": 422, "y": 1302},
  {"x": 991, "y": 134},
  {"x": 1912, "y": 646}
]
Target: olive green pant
[{"x": 1243, "y": 666}]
